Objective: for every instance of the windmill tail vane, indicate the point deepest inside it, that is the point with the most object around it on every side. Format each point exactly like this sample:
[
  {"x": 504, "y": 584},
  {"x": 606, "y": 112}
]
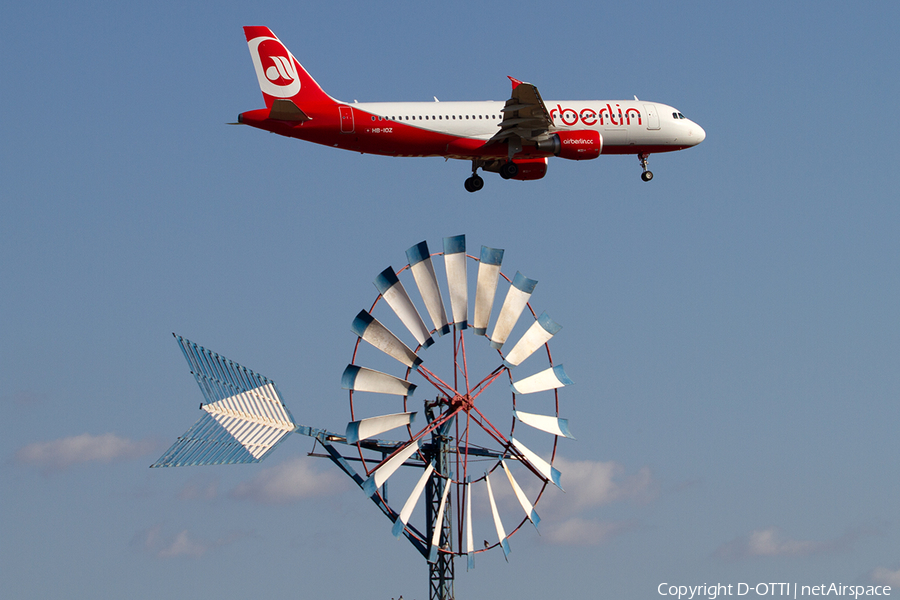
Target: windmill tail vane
[{"x": 244, "y": 417}]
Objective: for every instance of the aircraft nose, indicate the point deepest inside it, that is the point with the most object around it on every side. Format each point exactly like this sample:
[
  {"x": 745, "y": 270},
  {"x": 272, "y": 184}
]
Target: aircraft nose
[{"x": 697, "y": 134}]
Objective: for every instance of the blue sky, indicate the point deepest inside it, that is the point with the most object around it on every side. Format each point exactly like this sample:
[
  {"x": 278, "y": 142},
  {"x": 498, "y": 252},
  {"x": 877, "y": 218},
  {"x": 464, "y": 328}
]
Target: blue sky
[{"x": 732, "y": 326}]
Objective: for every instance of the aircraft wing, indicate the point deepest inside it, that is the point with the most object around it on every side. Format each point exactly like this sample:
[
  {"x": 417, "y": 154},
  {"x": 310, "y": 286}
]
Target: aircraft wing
[{"x": 525, "y": 117}]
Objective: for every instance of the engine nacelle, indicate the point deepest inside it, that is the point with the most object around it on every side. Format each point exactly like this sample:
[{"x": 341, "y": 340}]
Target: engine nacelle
[
  {"x": 573, "y": 145},
  {"x": 530, "y": 168}
]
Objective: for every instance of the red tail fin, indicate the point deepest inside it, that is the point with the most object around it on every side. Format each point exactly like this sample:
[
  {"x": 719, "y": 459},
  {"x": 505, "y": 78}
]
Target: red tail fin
[{"x": 279, "y": 73}]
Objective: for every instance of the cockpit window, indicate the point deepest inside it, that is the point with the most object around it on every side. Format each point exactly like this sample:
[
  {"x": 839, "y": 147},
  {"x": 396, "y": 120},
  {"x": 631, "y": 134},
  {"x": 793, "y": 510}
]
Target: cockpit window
[{"x": 678, "y": 115}]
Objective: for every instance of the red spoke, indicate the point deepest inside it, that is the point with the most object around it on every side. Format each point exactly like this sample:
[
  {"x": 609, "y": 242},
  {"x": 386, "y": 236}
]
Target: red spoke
[
  {"x": 486, "y": 382},
  {"x": 436, "y": 381}
]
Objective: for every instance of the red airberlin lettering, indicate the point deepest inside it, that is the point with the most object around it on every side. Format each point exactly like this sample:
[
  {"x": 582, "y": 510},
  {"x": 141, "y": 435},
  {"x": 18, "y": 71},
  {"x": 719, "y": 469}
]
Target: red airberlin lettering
[{"x": 589, "y": 117}]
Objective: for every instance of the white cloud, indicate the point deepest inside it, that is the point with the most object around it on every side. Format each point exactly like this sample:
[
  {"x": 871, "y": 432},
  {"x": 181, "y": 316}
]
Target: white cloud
[
  {"x": 772, "y": 542},
  {"x": 589, "y": 484},
  {"x": 290, "y": 481},
  {"x": 200, "y": 490},
  {"x": 883, "y": 576},
  {"x": 183, "y": 544},
  {"x": 583, "y": 532},
  {"x": 60, "y": 454}
]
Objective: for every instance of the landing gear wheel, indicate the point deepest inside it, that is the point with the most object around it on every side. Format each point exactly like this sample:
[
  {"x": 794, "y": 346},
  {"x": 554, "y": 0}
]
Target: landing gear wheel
[
  {"x": 646, "y": 175},
  {"x": 474, "y": 183},
  {"x": 509, "y": 170}
]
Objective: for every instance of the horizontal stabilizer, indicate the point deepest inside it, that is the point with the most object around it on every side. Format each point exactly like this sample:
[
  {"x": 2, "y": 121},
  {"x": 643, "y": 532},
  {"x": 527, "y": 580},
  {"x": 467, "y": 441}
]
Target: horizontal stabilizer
[{"x": 285, "y": 110}]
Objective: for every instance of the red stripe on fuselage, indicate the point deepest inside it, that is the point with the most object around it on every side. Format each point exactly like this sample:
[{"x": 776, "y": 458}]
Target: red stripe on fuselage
[{"x": 388, "y": 137}]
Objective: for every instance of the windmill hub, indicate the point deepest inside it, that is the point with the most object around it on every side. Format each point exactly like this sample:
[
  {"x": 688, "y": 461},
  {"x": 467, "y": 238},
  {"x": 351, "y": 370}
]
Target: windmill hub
[{"x": 458, "y": 402}]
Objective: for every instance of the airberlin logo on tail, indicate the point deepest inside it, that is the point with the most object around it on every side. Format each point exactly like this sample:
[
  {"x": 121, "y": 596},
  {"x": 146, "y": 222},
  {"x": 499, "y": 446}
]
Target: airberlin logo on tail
[{"x": 275, "y": 67}]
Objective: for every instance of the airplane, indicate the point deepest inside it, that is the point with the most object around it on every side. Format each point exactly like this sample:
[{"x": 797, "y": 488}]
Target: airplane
[{"x": 514, "y": 138}]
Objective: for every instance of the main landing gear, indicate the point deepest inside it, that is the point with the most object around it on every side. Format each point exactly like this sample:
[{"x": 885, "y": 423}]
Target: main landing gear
[
  {"x": 508, "y": 170},
  {"x": 474, "y": 183},
  {"x": 647, "y": 175}
]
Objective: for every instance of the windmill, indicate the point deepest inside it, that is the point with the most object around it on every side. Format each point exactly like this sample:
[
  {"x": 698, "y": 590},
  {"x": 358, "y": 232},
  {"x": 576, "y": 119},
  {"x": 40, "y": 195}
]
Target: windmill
[{"x": 460, "y": 455}]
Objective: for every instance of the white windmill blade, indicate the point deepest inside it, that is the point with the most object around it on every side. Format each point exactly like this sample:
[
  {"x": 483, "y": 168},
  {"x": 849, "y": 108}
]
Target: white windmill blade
[
  {"x": 486, "y": 287},
  {"x": 548, "y": 379},
  {"x": 498, "y": 525},
  {"x": 387, "y": 468},
  {"x": 457, "y": 280},
  {"x": 373, "y": 331},
  {"x": 547, "y": 423},
  {"x": 526, "y": 505},
  {"x": 366, "y": 428},
  {"x": 361, "y": 379},
  {"x": 548, "y": 471},
  {"x": 403, "y": 519},
  {"x": 516, "y": 299},
  {"x": 470, "y": 545},
  {"x": 392, "y": 290},
  {"x": 436, "y": 537},
  {"x": 423, "y": 272},
  {"x": 537, "y": 335}
]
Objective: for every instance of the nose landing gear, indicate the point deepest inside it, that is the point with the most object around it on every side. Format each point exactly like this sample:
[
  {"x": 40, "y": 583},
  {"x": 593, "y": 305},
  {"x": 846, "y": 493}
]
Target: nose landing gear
[{"x": 647, "y": 175}]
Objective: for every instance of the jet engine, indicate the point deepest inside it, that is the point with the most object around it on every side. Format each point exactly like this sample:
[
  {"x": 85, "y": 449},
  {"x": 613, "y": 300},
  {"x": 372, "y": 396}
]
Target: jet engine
[
  {"x": 530, "y": 168},
  {"x": 573, "y": 145}
]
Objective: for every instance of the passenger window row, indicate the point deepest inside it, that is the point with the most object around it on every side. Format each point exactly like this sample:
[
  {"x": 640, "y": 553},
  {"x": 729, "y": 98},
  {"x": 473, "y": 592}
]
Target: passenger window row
[{"x": 436, "y": 118}]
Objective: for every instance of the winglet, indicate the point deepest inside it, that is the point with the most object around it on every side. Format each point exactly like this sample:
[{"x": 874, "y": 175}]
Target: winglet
[{"x": 515, "y": 82}]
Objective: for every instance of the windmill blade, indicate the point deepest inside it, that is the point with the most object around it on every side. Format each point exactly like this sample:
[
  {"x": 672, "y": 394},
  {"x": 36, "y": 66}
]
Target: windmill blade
[
  {"x": 361, "y": 379},
  {"x": 366, "y": 428},
  {"x": 523, "y": 499},
  {"x": 470, "y": 545},
  {"x": 486, "y": 287},
  {"x": 516, "y": 299},
  {"x": 371, "y": 330},
  {"x": 245, "y": 417},
  {"x": 548, "y": 471},
  {"x": 403, "y": 519},
  {"x": 423, "y": 272},
  {"x": 436, "y": 537},
  {"x": 457, "y": 280},
  {"x": 537, "y": 335},
  {"x": 392, "y": 290},
  {"x": 387, "y": 468},
  {"x": 548, "y": 379},
  {"x": 498, "y": 525},
  {"x": 553, "y": 425}
]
